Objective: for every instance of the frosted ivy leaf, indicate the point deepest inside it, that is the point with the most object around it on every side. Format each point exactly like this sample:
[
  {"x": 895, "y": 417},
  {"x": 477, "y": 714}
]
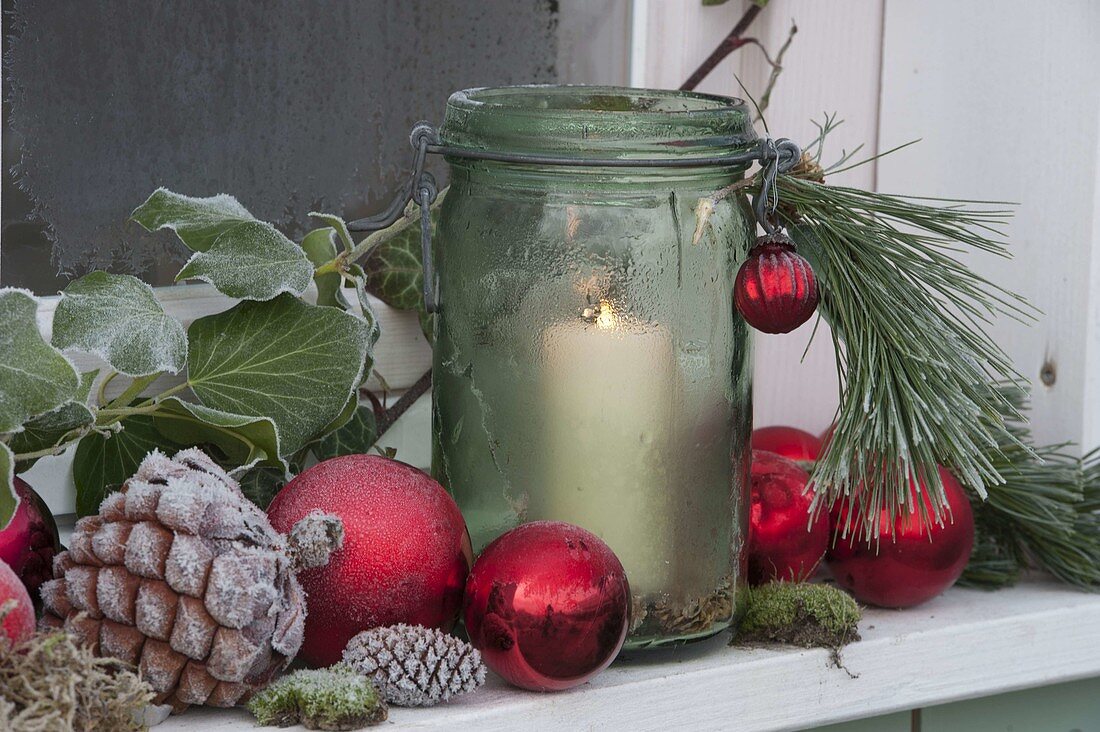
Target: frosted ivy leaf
[
  {"x": 292, "y": 362},
  {"x": 337, "y": 225},
  {"x": 244, "y": 440},
  {"x": 239, "y": 255},
  {"x": 34, "y": 376},
  {"x": 118, "y": 318},
  {"x": 320, "y": 247},
  {"x": 8, "y": 500}
]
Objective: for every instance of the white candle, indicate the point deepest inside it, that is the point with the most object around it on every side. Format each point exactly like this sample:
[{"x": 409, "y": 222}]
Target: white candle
[{"x": 610, "y": 389}]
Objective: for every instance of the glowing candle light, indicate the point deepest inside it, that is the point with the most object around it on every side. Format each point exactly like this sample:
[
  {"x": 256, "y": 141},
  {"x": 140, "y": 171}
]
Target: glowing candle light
[{"x": 610, "y": 386}]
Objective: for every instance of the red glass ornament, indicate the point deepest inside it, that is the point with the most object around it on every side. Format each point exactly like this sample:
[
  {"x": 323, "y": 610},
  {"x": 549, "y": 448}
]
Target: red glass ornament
[
  {"x": 916, "y": 563},
  {"x": 29, "y": 541},
  {"x": 548, "y": 606},
  {"x": 405, "y": 557},
  {"x": 783, "y": 544},
  {"x": 18, "y": 624},
  {"x": 790, "y": 442},
  {"x": 775, "y": 290}
]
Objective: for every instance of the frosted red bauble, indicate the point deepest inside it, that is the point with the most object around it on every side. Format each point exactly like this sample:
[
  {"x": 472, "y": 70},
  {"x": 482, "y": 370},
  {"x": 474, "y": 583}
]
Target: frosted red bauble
[
  {"x": 29, "y": 542},
  {"x": 548, "y": 606},
  {"x": 783, "y": 543},
  {"x": 912, "y": 566},
  {"x": 790, "y": 442},
  {"x": 18, "y": 623},
  {"x": 775, "y": 290},
  {"x": 405, "y": 557}
]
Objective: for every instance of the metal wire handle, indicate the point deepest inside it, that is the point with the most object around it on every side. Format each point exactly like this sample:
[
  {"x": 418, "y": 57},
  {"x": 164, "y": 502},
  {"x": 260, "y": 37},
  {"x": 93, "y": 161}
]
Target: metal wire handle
[{"x": 777, "y": 156}]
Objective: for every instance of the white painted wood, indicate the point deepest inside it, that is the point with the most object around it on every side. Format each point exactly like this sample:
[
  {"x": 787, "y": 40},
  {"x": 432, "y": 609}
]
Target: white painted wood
[
  {"x": 962, "y": 645},
  {"x": 1005, "y": 97},
  {"x": 832, "y": 66}
]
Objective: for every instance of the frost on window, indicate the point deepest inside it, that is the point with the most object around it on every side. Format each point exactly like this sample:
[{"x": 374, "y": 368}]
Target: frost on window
[{"x": 289, "y": 106}]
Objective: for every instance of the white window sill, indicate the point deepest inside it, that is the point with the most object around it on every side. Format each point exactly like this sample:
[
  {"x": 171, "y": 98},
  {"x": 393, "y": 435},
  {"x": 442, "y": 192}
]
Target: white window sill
[{"x": 962, "y": 645}]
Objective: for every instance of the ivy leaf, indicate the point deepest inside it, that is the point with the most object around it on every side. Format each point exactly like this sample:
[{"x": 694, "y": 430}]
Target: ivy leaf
[
  {"x": 338, "y": 226},
  {"x": 241, "y": 256},
  {"x": 47, "y": 430},
  {"x": 243, "y": 440},
  {"x": 8, "y": 500},
  {"x": 260, "y": 484},
  {"x": 355, "y": 437},
  {"x": 394, "y": 268},
  {"x": 292, "y": 362},
  {"x": 34, "y": 376},
  {"x": 118, "y": 318},
  {"x": 320, "y": 247},
  {"x": 103, "y": 462}
]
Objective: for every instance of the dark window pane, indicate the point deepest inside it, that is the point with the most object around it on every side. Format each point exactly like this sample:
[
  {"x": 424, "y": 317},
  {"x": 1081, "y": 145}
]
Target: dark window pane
[{"x": 291, "y": 106}]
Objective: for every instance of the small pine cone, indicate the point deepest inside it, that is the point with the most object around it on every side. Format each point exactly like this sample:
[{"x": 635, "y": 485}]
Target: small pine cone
[
  {"x": 415, "y": 666},
  {"x": 182, "y": 576}
]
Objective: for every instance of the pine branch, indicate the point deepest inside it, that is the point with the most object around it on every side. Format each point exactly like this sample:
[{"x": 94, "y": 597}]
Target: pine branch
[
  {"x": 1043, "y": 514},
  {"x": 908, "y": 323}
]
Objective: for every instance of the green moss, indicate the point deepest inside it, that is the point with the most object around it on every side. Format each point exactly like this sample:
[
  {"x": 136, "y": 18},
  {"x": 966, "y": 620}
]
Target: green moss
[
  {"x": 335, "y": 698},
  {"x": 801, "y": 614}
]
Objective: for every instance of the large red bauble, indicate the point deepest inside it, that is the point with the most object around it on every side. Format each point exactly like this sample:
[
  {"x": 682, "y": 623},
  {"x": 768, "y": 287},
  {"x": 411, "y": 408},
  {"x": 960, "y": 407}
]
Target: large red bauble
[
  {"x": 775, "y": 290},
  {"x": 790, "y": 442},
  {"x": 916, "y": 563},
  {"x": 548, "y": 606},
  {"x": 783, "y": 543},
  {"x": 405, "y": 557},
  {"x": 29, "y": 541},
  {"x": 18, "y": 624}
]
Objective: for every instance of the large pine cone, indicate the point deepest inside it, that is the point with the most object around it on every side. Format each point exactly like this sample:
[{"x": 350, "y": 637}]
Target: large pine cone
[{"x": 184, "y": 577}]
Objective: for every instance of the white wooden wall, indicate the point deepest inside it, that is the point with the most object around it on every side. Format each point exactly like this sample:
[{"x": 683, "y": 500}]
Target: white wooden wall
[{"x": 1006, "y": 98}]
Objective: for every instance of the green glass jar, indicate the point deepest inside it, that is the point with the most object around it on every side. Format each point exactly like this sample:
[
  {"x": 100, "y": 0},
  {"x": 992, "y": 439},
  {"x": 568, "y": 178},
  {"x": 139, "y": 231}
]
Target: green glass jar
[{"x": 589, "y": 364}]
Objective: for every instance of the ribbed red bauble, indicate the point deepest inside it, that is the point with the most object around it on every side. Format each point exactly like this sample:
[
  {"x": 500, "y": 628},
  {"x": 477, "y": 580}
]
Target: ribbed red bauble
[
  {"x": 783, "y": 543},
  {"x": 912, "y": 566},
  {"x": 790, "y": 442},
  {"x": 548, "y": 606},
  {"x": 18, "y": 623},
  {"x": 29, "y": 541},
  {"x": 405, "y": 557},
  {"x": 775, "y": 290}
]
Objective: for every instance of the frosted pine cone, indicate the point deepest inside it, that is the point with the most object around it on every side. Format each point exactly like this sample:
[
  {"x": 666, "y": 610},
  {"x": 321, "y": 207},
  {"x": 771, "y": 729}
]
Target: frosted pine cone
[
  {"x": 414, "y": 666},
  {"x": 182, "y": 576}
]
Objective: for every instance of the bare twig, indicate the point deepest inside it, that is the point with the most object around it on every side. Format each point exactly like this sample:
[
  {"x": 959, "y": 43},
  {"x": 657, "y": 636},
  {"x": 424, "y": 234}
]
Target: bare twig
[
  {"x": 777, "y": 69},
  {"x": 729, "y": 44}
]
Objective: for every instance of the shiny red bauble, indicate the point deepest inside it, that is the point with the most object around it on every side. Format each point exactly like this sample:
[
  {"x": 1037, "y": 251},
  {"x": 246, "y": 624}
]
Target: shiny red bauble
[
  {"x": 783, "y": 542},
  {"x": 405, "y": 556},
  {"x": 15, "y": 607},
  {"x": 790, "y": 442},
  {"x": 29, "y": 541},
  {"x": 912, "y": 566},
  {"x": 775, "y": 290},
  {"x": 548, "y": 606}
]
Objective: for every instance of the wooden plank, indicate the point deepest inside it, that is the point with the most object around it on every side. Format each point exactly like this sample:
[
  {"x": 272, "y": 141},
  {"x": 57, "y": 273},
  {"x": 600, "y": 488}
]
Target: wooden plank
[
  {"x": 962, "y": 645},
  {"x": 1005, "y": 98}
]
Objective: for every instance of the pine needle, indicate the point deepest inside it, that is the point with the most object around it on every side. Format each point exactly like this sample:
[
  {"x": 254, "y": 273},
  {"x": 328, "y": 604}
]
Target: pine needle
[{"x": 908, "y": 321}]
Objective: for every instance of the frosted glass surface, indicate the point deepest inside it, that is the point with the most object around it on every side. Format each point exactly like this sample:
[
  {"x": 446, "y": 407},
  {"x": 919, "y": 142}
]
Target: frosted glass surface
[{"x": 290, "y": 106}]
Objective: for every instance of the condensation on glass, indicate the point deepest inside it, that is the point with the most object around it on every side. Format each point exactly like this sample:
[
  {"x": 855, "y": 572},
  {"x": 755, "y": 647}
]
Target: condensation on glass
[
  {"x": 290, "y": 106},
  {"x": 589, "y": 363}
]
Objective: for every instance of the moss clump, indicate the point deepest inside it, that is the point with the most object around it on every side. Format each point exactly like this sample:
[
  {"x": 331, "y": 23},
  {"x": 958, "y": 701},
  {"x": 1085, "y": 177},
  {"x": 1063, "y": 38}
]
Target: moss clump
[
  {"x": 50, "y": 683},
  {"x": 800, "y": 614},
  {"x": 334, "y": 698}
]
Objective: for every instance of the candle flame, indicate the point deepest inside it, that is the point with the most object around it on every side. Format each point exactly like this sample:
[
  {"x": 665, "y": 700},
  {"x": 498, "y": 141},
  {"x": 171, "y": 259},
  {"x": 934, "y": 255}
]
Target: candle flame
[{"x": 606, "y": 318}]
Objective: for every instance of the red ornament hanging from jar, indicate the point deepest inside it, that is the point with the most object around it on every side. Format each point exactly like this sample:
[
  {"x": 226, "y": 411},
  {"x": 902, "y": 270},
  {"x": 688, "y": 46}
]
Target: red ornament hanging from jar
[{"x": 775, "y": 290}]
